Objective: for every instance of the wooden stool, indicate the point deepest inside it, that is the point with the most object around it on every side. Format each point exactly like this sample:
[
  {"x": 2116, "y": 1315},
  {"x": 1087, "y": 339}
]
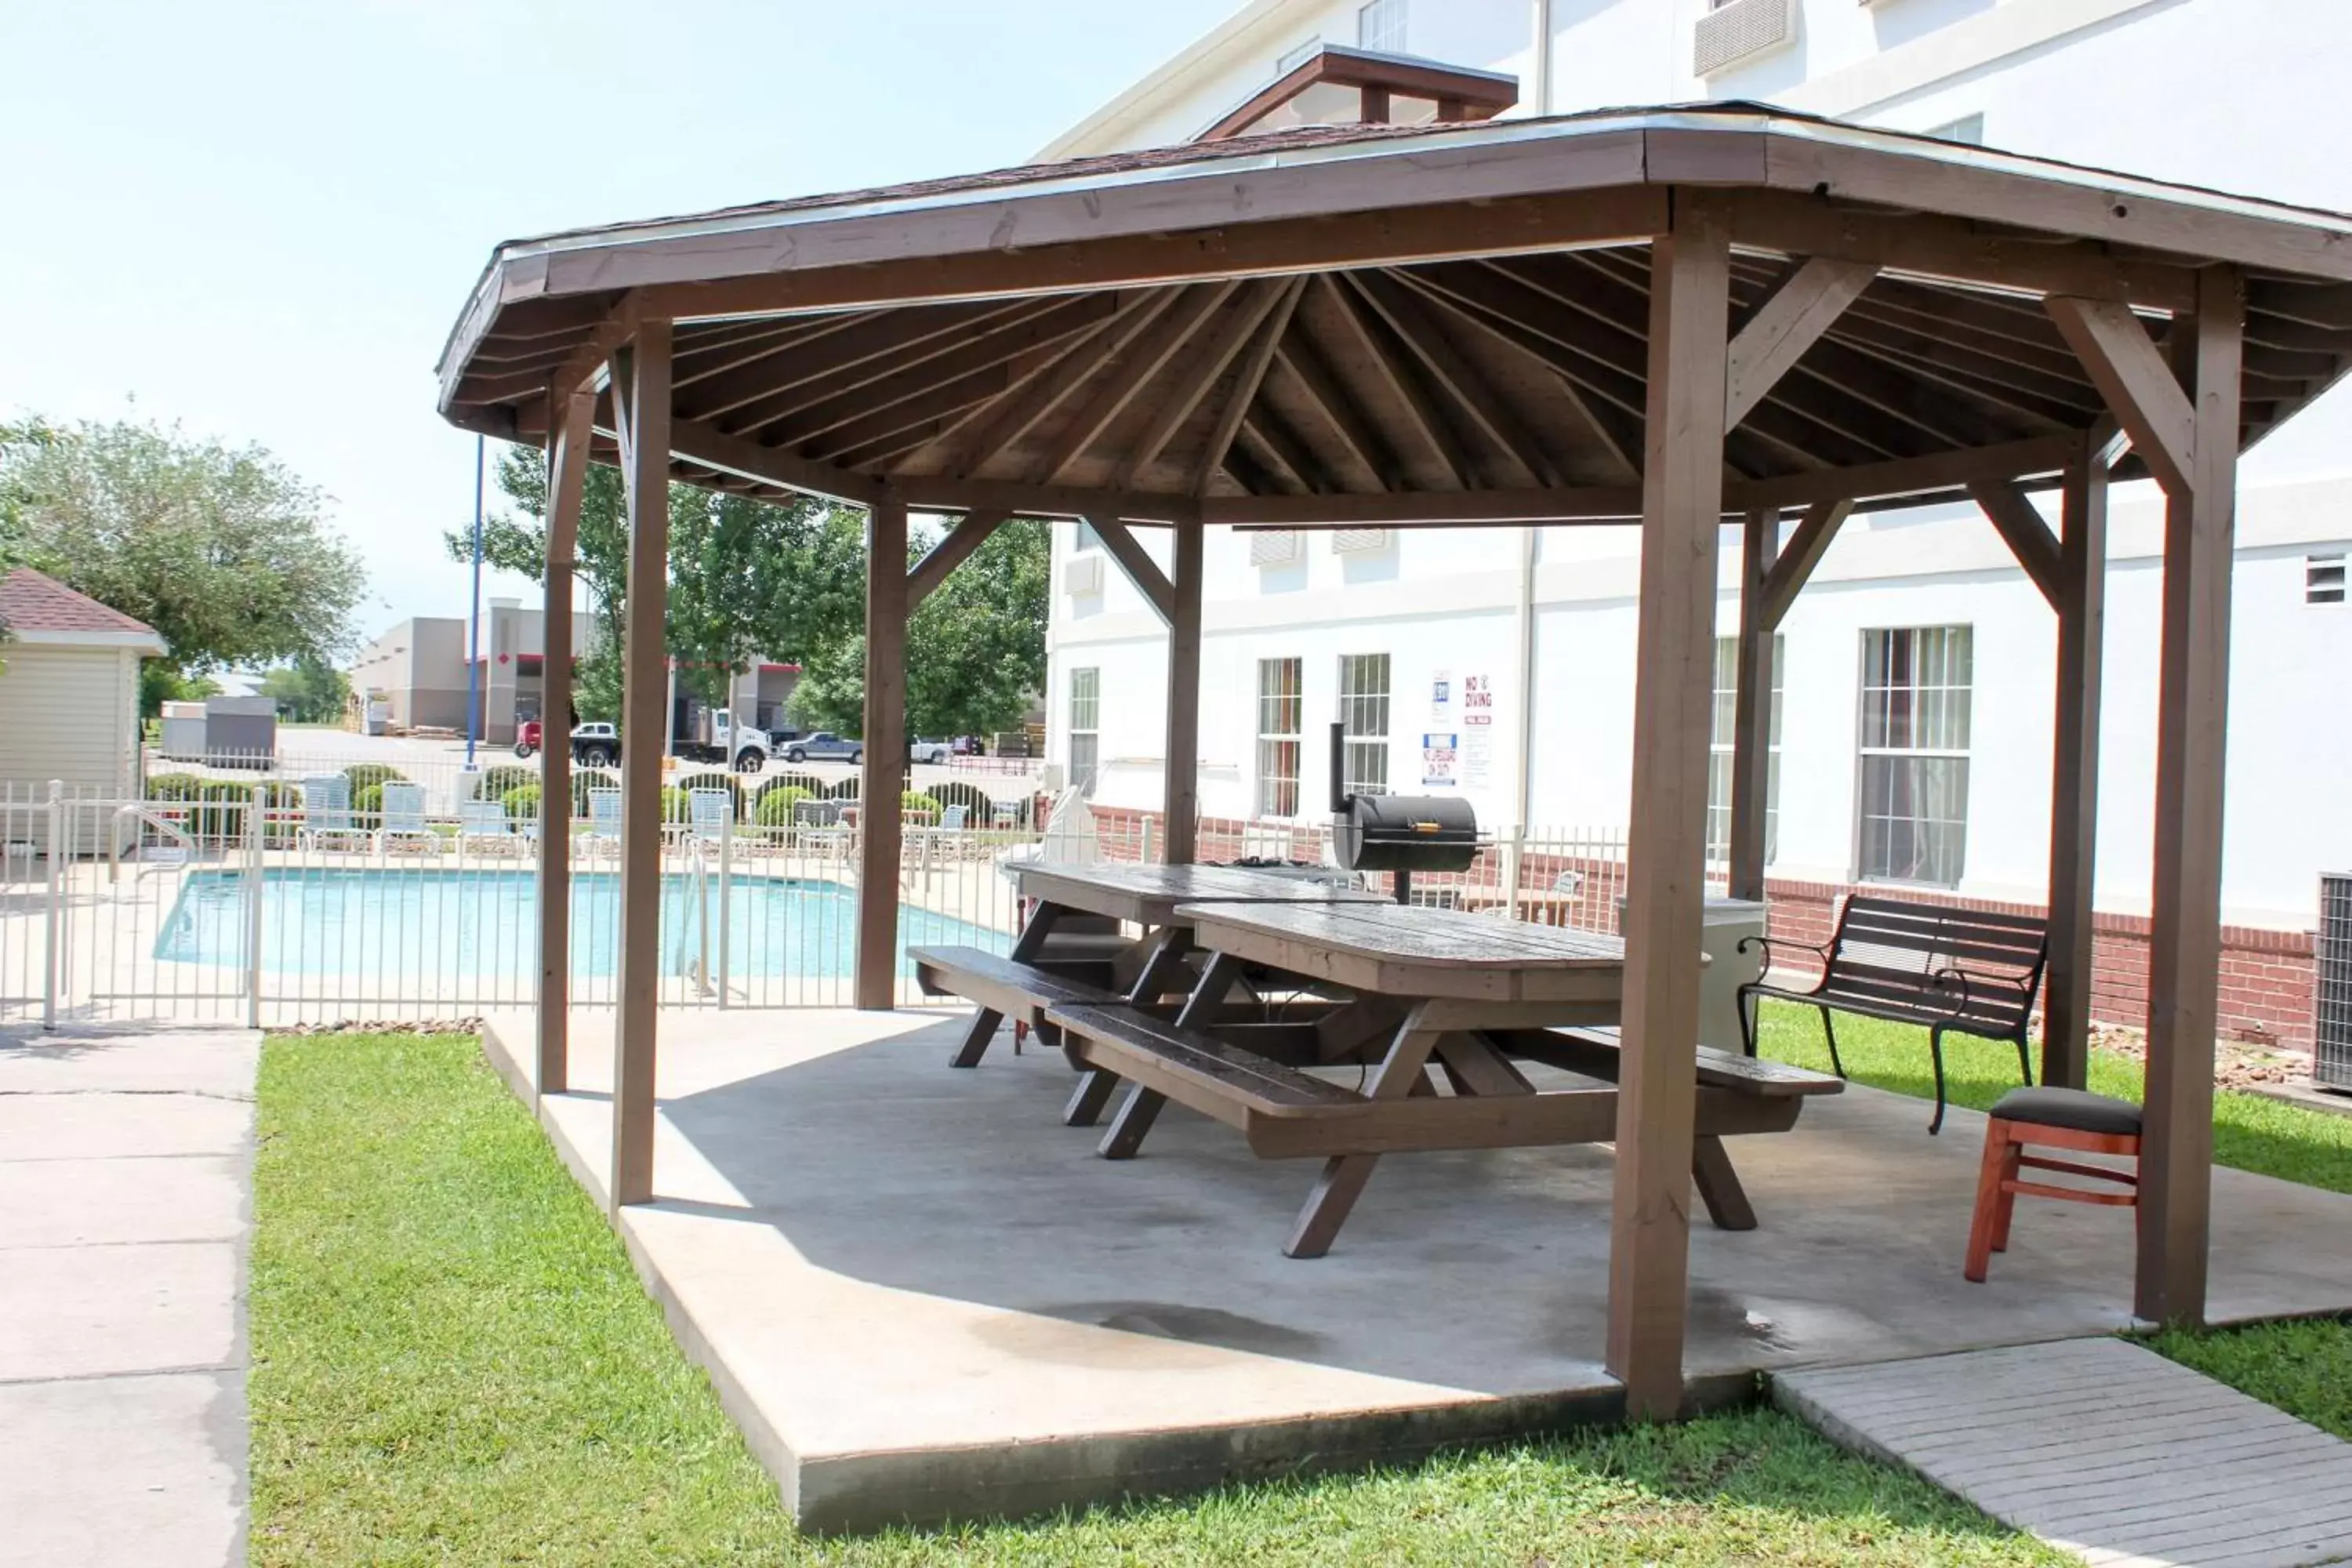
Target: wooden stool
[{"x": 2054, "y": 1118}]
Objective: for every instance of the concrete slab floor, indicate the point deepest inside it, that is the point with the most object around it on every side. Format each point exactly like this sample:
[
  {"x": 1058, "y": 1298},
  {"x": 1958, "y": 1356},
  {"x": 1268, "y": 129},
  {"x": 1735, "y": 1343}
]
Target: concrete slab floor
[
  {"x": 125, "y": 1206},
  {"x": 924, "y": 1299}
]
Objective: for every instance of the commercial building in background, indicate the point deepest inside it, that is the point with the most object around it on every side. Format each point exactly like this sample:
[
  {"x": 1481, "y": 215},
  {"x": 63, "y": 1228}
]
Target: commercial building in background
[
  {"x": 416, "y": 672},
  {"x": 1913, "y": 711}
]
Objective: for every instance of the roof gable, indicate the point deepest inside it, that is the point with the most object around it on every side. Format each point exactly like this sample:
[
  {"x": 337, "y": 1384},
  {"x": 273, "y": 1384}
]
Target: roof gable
[{"x": 35, "y": 606}]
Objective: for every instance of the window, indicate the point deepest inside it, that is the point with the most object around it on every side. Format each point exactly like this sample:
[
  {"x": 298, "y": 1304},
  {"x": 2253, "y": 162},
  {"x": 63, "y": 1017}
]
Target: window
[
  {"x": 1381, "y": 26},
  {"x": 1968, "y": 128},
  {"x": 2323, "y": 579},
  {"x": 1914, "y": 754},
  {"x": 1723, "y": 727},
  {"x": 1364, "y": 714},
  {"x": 1083, "y": 538},
  {"x": 1292, "y": 59},
  {"x": 1086, "y": 719},
  {"x": 1281, "y": 722}
]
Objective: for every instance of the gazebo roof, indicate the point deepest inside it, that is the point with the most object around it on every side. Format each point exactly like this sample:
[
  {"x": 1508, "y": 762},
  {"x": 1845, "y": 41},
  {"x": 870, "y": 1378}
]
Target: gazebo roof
[{"x": 1374, "y": 323}]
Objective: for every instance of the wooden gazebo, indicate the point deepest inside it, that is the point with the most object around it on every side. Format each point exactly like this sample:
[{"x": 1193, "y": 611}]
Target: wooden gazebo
[{"x": 1683, "y": 319}]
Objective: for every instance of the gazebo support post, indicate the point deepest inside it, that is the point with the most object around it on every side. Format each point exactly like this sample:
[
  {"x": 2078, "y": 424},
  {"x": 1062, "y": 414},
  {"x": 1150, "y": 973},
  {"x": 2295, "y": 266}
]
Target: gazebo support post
[
  {"x": 1751, "y": 743},
  {"x": 641, "y": 384},
  {"x": 1682, "y": 504},
  {"x": 2185, "y": 937},
  {"x": 1181, "y": 789},
  {"x": 569, "y": 416},
  {"x": 2082, "y": 604},
  {"x": 883, "y": 776}
]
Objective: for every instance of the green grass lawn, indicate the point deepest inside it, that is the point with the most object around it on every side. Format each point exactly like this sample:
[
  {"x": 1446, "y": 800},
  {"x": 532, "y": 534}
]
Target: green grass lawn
[
  {"x": 2306, "y": 1368},
  {"x": 454, "y": 1363}
]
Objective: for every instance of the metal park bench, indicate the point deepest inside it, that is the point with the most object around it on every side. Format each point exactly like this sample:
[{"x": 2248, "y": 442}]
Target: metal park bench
[{"x": 1950, "y": 971}]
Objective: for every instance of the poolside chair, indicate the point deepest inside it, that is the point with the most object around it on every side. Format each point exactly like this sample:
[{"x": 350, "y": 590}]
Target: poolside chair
[
  {"x": 604, "y": 821},
  {"x": 404, "y": 818},
  {"x": 326, "y": 811},
  {"x": 817, "y": 828},
  {"x": 709, "y": 814},
  {"x": 483, "y": 823}
]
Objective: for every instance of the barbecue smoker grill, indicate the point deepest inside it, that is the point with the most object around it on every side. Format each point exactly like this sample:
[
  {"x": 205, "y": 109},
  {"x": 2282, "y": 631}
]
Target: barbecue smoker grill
[{"x": 1399, "y": 834}]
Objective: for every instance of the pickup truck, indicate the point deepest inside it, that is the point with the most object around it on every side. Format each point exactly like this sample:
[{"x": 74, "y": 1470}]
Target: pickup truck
[
  {"x": 596, "y": 745},
  {"x": 825, "y": 746}
]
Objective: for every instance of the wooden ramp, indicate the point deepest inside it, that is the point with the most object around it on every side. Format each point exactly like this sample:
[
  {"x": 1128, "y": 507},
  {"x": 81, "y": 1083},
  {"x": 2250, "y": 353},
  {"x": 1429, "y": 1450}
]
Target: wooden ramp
[{"x": 2100, "y": 1448}]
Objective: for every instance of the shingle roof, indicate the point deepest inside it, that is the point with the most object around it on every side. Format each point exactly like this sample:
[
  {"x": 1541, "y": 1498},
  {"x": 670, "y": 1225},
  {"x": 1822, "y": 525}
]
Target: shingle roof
[{"x": 34, "y": 601}]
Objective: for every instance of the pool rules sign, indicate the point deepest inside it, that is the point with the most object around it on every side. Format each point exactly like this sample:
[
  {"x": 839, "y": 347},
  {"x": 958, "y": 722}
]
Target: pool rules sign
[{"x": 1457, "y": 749}]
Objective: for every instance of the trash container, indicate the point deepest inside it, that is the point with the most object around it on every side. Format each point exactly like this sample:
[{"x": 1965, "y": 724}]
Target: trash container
[{"x": 1724, "y": 922}]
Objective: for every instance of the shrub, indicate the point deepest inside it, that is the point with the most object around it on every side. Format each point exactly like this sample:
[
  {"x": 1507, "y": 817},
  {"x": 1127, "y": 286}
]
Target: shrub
[
  {"x": 586, "y": 779},
  {"x": 521, "y": 802},
  {"x": 176, "y": 786},
  {"x": 843, "y": 789},
  {"x": 911, "y": 801},
  {"x": 362, "y": 775},
  {"x": 775, "y": 806},
  {"x": 674, "y": 804},
  {"x": 979, "y": 808},
  {"x": 497, "y": 783}
]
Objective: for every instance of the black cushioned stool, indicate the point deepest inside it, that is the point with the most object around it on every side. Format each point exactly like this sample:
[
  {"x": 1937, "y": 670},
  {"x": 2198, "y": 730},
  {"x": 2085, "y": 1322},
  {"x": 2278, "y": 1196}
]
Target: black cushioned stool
[{"x": 2050, "y": 1118}]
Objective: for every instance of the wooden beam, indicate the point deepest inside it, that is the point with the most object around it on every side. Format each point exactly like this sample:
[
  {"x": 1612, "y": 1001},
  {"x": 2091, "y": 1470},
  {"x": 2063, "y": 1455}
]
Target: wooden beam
[
  {"x": 1140, "y": 360},
  {"x": 1254, "y": 361},
  {"x": 642, "y": 390},
  {"x": 883, "y": 774},
  {"x": 952, "y": 550},
  {"x": 1141, "y": 568},
  {"x": 939, "y": 492},
  {"x": 1049, "y": 383},
  {"x": 1275, "y": 436},
  {"x": 1788, "y": 322},
  {"x": 1464, "y": 382},
  {"x": 1181, "y": 792},
  {"x": 1325, "y": 389},
  {"x": 1575, "y": 503},
  {"x": 2081, "y": 602},
  {"x": 1751, "y": 730},
  {"x": 1175, "y": 404},
  {"x": 1905, "y": 475},
  {"x": 734, "y": 455},
  {"x": 2140, "y": 389},
  {"x": 1379, "y": 343},
  {"x": 1798, "y": 558},
  {"x": 1682, "y": 496},
  {"x": 2021, "y": 528},
  {"x": 567, "y": 481},
  {"x": 2192, "y": 743}
]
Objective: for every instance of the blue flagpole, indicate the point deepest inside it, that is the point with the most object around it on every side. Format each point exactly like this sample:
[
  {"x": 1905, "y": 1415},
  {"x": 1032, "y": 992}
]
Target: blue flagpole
[{"x": 473, "y": 615}]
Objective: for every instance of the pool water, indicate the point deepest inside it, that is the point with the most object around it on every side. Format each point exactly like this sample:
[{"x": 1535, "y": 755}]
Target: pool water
[{"x": 436, "y": 923}]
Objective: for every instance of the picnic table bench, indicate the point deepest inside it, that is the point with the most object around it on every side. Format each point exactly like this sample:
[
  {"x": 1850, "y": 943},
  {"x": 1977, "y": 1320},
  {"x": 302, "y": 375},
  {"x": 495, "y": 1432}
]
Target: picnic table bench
[{"x": 1956, "y": 971}]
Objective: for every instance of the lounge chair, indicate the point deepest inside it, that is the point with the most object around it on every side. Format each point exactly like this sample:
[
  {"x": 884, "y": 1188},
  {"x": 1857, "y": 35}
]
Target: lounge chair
[
  {"x": 604, "y": 821},
  {"x": 485, "y": 824},
  {"x": 710, "y": 813},
  {"x": 326, "y": 811},
  {"x": 404, "y": 818}
]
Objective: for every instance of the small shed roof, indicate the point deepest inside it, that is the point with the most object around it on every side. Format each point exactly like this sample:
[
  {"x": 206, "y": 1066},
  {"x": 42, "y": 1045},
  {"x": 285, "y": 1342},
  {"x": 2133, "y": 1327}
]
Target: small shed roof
[
  {"x": 1358, "y": 323},
  {"x": 35, "y": 609}
]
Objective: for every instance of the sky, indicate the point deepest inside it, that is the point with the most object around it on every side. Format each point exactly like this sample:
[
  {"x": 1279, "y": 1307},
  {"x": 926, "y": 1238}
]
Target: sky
[{"x": 258, "y": 221}]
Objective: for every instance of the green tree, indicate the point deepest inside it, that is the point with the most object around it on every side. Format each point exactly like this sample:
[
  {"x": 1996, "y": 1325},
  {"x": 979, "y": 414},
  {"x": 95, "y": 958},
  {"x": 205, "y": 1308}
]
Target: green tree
[
  {"x": 223, "y": 551},
  {"x": 308, "y": 692}
]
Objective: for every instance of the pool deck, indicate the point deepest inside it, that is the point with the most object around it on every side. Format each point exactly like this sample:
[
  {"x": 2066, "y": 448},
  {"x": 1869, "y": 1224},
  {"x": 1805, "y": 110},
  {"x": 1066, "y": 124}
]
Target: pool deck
[{"x": 922, "y": 1298}]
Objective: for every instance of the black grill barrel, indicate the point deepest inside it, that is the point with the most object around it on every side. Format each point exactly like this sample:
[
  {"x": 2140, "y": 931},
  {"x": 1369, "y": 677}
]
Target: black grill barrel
[
  {"x": 1398, "y": 833},
  {"x": 1338, "y": 769}
]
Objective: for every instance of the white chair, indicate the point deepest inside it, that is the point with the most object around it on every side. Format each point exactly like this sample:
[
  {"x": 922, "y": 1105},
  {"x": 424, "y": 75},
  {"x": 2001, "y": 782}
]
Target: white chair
[
  {"x": 483, "y": 823},
  {"x": 326, "y": 811},
  {"x": 709, "y": 814},
  {"x": 604, "y": 821},
  {"x": 404, "y": 818}
]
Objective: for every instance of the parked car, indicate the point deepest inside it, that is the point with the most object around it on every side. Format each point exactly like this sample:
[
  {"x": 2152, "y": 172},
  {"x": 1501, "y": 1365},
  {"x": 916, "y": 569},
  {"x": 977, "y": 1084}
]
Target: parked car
[
  {"x": 596, "y": 745},
  {"x": 717, "y": 738},
  {"x": 527, "y": 739},
  {"x": 923, "y": 751},
  {"x": 825, "y": 746}
]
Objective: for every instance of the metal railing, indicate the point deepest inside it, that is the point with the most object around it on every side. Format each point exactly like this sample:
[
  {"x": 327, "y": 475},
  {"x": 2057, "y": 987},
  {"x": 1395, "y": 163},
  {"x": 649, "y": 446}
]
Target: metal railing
[{"x": 242, "y": 903}]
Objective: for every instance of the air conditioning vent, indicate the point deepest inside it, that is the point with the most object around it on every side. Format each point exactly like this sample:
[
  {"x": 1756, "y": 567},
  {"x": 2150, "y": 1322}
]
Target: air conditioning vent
[
  {"x": 1358, "y": 541},
  {"x": 2323, "y": 579},
  {"x": 1737, "y": 30},
  {"x": 1082, "y": 574},
  {"x": 1274, "y": 547},
  {"x": 2331, "y": 1007}
]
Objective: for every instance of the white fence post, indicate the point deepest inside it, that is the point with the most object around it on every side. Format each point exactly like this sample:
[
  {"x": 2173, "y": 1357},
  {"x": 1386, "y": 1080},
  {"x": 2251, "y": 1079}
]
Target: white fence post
[
  {"x": 726, "y": 870},
  {"x": 53, "y": 938},
  {"x": 1514, "y": 852},
  {"x": 252, "y": 841}
]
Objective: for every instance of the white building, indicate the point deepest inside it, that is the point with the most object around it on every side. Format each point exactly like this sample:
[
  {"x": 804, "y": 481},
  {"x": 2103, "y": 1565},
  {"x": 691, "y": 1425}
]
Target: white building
[{"x": 1516, "y": 643}]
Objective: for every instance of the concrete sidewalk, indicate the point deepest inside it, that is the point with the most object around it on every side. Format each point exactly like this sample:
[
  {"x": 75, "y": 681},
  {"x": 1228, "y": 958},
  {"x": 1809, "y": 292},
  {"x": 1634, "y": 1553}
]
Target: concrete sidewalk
[{"x": 125, "y": 1209}]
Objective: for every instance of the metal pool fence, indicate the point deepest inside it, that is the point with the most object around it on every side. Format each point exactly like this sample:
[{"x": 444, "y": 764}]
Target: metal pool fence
[{"x": 255, "y": 902}]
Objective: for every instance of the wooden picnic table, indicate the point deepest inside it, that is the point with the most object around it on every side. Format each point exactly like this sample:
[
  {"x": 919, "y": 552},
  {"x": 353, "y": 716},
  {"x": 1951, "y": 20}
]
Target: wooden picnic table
[{"x": 1472, "y": 995}]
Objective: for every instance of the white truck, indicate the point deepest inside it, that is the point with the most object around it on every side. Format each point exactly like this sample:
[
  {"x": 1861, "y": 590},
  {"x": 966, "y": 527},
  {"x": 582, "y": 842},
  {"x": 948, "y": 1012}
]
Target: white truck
[{"x": 718, "y": 739}]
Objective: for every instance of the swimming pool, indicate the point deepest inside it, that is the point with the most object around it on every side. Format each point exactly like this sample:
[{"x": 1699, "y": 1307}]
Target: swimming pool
[{"x": 430, "y": 923}]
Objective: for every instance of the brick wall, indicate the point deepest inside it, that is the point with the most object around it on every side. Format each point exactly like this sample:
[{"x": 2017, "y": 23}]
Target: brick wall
[{"x": 2267, "y": 976}]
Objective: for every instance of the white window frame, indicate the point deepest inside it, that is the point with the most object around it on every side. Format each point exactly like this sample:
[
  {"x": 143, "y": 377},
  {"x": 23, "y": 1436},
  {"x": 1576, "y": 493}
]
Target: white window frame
[
  {"x": 1723, "y": 729},
  {"x": 1365, "y": 711},
  {"x": 1085, "y": 721},
  {"x": 1270, "y": 713},
  {"x": 1381, "y": 26},
  {"x": 1939, "y": 709}
]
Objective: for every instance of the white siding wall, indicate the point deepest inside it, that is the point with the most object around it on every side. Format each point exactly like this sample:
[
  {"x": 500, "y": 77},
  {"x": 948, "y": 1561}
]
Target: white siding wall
[{"x": 68, "y": 714}]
